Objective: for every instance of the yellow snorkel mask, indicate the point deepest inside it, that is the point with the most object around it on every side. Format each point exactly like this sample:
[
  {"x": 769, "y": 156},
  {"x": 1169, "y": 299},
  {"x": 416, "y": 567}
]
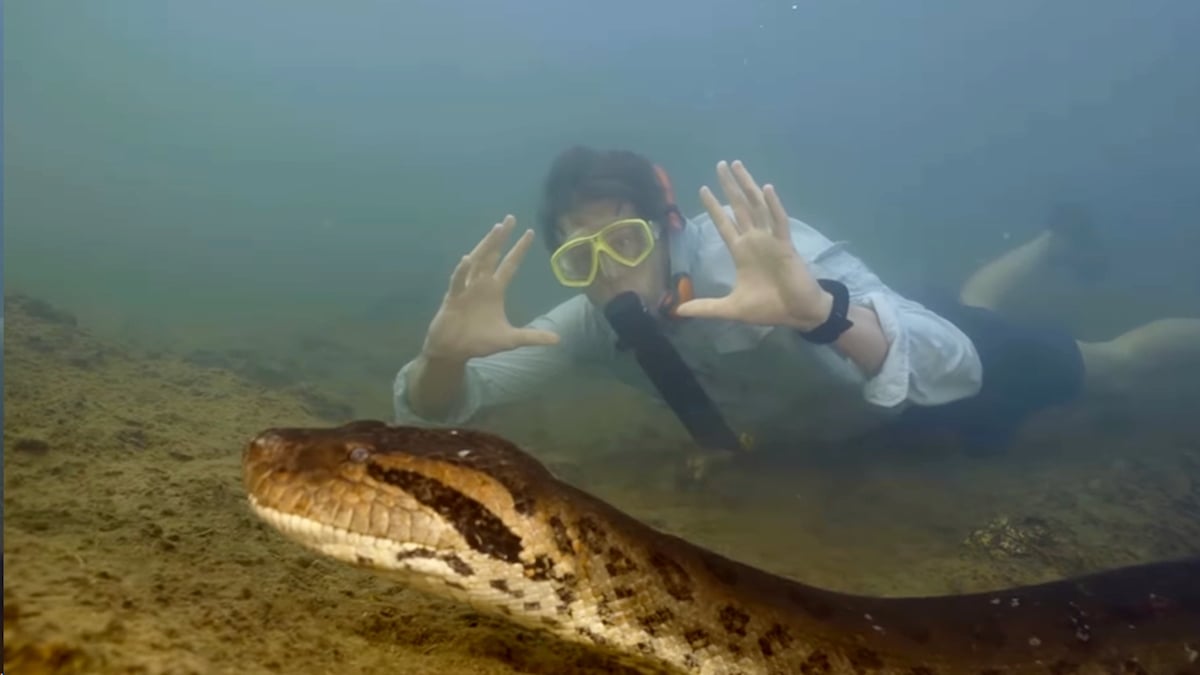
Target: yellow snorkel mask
[{"x": 628, "y": 241}]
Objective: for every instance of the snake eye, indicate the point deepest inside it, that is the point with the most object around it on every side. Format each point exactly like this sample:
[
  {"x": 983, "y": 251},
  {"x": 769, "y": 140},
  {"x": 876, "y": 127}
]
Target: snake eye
[{"x": 359, "y": 454}]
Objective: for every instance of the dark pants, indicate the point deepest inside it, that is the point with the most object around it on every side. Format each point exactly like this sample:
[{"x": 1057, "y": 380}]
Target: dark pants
[{"x": 1026, "y": 368}]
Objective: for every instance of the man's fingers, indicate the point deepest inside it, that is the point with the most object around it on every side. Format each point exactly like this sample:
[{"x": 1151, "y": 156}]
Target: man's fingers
[
  {"x": 743, "y": 219},
  {"x": 781, "y": 226},
  {"x": 753, "y": 195},
  {"x": 483, "y": 241},
  {"x": 458, "y": 278},
  {"x": 508, "y": 266},
  {"x": 491, "y": 241},
  {"x": 489, "y": 256},
  {"x": 746, "y": 182},
  {"x": 720, "y": 218}
]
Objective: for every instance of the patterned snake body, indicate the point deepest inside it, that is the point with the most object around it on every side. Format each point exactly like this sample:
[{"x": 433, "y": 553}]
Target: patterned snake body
[{"x": 467, "y": 515}]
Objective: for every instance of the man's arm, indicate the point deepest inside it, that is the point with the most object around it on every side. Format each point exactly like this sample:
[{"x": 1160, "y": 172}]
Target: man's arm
[
  {"x": 863, "y": 343},
  {"x": 905, "y": 351},
  {"x": 435, "y": 387}
]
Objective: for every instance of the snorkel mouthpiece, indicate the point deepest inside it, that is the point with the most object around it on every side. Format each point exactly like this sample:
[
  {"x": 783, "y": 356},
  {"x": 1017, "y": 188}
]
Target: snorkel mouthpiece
[{"x": 632, "y": 322}]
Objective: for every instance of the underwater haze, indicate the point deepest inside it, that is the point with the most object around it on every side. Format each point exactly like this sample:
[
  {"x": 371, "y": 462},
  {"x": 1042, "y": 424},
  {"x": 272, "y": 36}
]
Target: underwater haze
[{"x": 176, "y": 164}]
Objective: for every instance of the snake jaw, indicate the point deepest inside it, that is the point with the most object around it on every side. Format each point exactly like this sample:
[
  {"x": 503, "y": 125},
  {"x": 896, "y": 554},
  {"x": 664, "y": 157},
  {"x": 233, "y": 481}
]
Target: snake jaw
[
  {"x": 426, "y": 567},
  {"x": 335, "y": 542}
]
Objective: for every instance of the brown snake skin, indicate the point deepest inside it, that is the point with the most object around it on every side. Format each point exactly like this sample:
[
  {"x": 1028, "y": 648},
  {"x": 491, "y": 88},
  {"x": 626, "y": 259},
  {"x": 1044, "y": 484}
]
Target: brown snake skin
[{"x": 467, "y": 515}]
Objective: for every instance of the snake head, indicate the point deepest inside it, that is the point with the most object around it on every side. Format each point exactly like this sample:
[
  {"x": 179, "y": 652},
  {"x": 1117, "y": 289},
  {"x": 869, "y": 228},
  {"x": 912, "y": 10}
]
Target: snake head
[{"x": 433, "y": 505}]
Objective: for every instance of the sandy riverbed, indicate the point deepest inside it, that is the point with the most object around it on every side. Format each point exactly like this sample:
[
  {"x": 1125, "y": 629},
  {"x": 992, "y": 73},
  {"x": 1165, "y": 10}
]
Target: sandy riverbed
[{"x": 128, "y": 547}]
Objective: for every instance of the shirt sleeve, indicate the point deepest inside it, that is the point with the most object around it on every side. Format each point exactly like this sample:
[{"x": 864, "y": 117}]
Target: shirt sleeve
[
  {"x": 929, "y": 360},
  {"x": 519, "y": 373}
]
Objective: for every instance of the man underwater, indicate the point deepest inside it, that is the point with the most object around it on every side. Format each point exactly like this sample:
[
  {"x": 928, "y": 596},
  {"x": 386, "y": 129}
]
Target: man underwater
[{"x": 778, "y": 333}]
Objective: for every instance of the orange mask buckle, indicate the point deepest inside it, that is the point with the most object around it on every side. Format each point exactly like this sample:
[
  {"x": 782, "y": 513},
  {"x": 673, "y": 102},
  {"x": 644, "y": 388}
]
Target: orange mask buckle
[{"x": 679, "y": 292}]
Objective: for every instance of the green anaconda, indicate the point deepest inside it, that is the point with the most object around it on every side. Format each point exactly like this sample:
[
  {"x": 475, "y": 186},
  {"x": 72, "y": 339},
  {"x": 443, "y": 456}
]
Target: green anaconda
[{"x": 467, "y": 515}]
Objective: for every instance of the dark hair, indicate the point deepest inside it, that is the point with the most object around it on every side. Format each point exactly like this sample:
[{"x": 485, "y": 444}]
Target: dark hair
[{"x": 580, "y": 175}]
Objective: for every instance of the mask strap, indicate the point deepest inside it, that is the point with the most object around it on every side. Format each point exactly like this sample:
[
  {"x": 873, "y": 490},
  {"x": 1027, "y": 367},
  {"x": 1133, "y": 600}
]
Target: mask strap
[
  {"x": 679, "y": 286},
  {"x": 673, "y": 215}
]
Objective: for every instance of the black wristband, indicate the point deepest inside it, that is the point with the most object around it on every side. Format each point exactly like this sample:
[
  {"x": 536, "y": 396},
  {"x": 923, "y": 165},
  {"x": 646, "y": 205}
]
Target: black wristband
[{"x": 838, "y": 321}]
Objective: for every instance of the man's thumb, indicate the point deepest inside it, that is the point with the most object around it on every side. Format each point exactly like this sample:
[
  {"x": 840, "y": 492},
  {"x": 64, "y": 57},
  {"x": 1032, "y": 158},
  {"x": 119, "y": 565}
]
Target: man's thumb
[
  {"x": 700, "y": 307},
  {"x": 531, "y": 336}
]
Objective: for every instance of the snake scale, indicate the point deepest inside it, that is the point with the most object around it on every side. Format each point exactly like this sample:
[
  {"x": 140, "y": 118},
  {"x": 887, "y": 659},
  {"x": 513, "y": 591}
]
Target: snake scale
[{"x": 467, "y": 515}]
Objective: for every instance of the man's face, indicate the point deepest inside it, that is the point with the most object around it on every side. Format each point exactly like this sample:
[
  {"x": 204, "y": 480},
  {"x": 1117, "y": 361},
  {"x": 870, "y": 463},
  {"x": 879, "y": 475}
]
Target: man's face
[{"x": 647, "y": 279}]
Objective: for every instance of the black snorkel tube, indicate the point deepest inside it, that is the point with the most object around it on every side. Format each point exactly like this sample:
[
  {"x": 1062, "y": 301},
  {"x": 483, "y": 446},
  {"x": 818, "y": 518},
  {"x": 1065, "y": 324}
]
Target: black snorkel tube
[{"x": 639, "y": 331}]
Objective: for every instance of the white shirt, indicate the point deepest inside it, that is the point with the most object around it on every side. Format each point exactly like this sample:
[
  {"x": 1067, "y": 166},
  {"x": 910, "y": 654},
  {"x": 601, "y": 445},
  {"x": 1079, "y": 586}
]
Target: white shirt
[{"x": 766, "y": 380}]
